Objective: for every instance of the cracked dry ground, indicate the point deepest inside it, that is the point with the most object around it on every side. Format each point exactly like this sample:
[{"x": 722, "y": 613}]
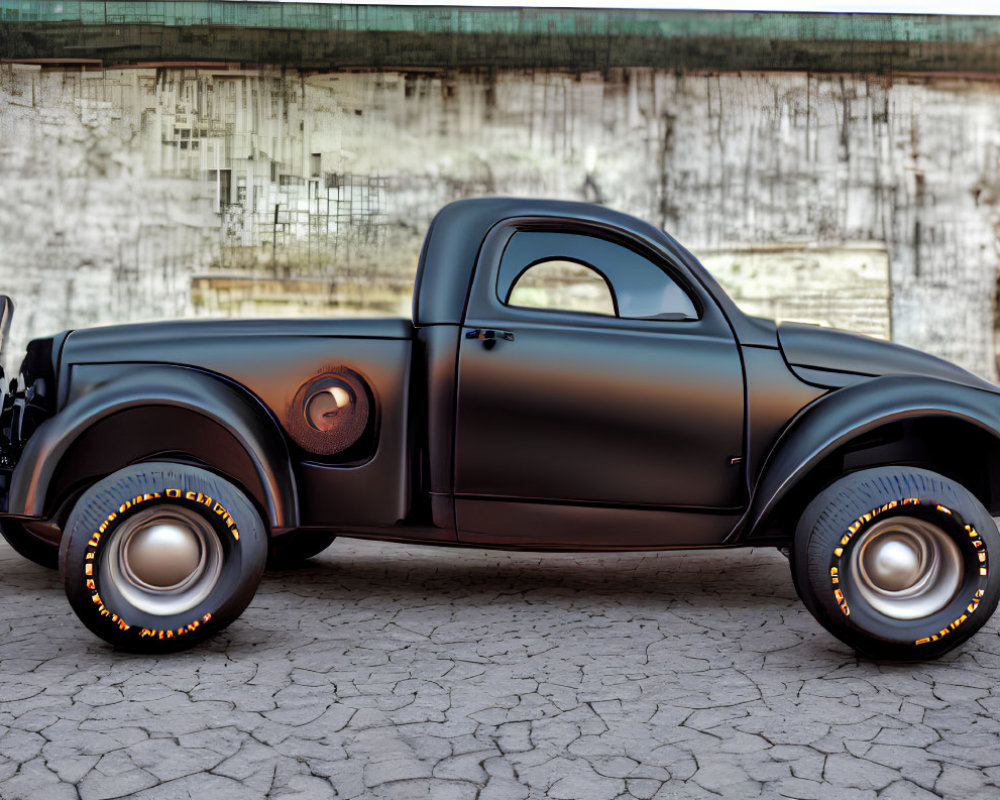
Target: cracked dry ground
[{"x": 391, "y": 671}]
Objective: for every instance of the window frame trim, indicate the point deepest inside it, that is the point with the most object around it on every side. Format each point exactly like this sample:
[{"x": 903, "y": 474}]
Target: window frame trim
[{"x": 483, "y": 298}]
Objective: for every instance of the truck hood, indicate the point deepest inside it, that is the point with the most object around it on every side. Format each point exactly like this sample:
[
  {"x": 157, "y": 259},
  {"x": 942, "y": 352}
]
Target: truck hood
[{"x": 818, "y": 354}]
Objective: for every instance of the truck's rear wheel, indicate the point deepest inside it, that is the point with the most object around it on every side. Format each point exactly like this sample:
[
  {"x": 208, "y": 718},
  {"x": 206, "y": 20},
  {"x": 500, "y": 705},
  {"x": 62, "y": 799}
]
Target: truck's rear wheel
[
  {"x": 897, "y": 562},
  {"x": 158, "y": 557},
  {"x": 27, "y": 543}
]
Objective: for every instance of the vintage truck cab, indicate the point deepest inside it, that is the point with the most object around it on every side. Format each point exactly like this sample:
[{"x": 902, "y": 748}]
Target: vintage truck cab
[{"x": 572, "y": 378}]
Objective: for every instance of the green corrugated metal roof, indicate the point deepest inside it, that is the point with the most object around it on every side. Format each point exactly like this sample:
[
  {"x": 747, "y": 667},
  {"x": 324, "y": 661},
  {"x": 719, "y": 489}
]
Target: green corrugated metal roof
[{"x": 516, "y": 21}]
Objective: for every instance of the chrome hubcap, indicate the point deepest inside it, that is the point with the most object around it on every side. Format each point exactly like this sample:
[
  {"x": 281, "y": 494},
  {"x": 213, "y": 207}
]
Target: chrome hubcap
[
  {"x": 895, "y": 564},
  {"x": 162, "y": 556},
  {"x": 906, "y": 568},
  {"x": 163, "y": 560}
]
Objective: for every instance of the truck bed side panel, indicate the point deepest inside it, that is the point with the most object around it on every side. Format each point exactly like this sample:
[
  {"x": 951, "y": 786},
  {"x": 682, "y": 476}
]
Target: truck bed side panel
[{"x": 272, "y": 362}]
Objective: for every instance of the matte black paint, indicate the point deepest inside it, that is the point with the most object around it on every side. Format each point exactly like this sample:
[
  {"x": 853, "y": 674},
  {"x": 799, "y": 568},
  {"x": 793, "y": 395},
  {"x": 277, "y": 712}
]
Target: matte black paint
[
  {"x": 142, "y": 433},
  {"x": 847, "y": 414},
  {"x": 437, "y": 348},
  {"x": 814, "y": 348},
  {"x": 457, "y": 233},
  {"x": 581, "y": 409},
  {"x": 774, "y": 397},
  {"x": 373, "y": 487},
  {"x": 576, "y": 431},
  {"x": 150, "y": 387},
  {"x": 589, "y": 527},
  {"x": 570, "y": 414}
]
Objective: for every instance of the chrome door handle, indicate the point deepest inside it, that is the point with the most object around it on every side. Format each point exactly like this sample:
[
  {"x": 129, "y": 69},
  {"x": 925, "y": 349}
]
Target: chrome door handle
[{"x": 489, "y": 336}]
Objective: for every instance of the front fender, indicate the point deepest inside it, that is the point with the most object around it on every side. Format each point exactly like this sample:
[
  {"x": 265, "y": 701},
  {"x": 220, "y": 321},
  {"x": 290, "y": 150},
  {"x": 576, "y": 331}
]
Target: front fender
[
  {"x": 148, "y": 387},
  {"x": 841, "y": 416}
]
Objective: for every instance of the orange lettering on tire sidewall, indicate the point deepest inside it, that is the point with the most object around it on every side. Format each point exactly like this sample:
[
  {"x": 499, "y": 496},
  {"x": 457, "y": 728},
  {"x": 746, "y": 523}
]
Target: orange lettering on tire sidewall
[
  {"x": 90, "y": 559},
  {"x": 843, "y": 545}
]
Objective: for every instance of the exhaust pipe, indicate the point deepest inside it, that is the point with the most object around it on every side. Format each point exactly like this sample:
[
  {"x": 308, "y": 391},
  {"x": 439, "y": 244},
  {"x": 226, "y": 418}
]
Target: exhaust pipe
[
  {"x": 6, "y": 404},
  {"x": 6, "y": 312}
]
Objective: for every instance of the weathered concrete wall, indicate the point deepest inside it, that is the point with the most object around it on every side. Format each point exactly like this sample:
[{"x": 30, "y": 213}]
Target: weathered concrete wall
[
  {"x": 141, "y": 193},
  {"x": 844, "y": 285}
]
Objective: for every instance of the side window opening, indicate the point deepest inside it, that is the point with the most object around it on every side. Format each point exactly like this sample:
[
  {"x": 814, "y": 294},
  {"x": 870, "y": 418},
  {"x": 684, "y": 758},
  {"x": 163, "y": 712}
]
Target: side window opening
[
  {"x": 574, "y": 272},
  {"x": 564, "y": 285},
  {"x": 667, "y": 301}
]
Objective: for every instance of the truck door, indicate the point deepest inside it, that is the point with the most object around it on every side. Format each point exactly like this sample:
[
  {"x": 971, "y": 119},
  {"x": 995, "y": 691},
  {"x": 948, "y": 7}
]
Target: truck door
[{"x": 600, "y": 396}]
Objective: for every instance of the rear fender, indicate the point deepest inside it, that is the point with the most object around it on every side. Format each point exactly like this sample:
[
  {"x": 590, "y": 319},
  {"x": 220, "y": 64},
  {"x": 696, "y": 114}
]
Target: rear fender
[
  {"x": 158, "y": 391},
  {"x": 840, "y": 417}
]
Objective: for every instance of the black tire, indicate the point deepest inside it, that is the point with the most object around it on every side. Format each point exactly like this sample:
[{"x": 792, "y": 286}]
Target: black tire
[
  {"x": 291, "y": 549},
  {"x": 129, "y": 552},
  {"x": 899, "y": 563},
  {"x": 26, "y": 543}
]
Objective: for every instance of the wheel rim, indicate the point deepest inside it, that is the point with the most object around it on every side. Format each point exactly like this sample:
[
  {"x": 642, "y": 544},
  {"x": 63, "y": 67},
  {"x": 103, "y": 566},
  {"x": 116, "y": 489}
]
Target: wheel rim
[
  {"x": 906, "y": 568},
  {"x": 163, "y": 560}
]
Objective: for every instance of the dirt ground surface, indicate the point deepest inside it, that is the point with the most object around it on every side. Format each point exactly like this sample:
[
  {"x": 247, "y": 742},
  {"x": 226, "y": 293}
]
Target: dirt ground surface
[{"x": 391, "y": 671}]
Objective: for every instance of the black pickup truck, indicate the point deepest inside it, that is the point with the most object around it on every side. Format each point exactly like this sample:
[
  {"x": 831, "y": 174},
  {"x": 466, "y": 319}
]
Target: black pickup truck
[{"x": 572, "y": 379}]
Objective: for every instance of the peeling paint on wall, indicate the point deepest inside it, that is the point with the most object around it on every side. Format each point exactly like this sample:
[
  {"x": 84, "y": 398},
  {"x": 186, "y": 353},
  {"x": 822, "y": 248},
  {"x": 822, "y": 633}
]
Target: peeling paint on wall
[{"x": 157, "y": 192}]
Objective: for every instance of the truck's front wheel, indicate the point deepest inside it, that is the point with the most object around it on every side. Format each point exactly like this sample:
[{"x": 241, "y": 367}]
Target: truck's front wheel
[
  {"x": 898, "y": 562},
  {"x": 158, "y": 557}
]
